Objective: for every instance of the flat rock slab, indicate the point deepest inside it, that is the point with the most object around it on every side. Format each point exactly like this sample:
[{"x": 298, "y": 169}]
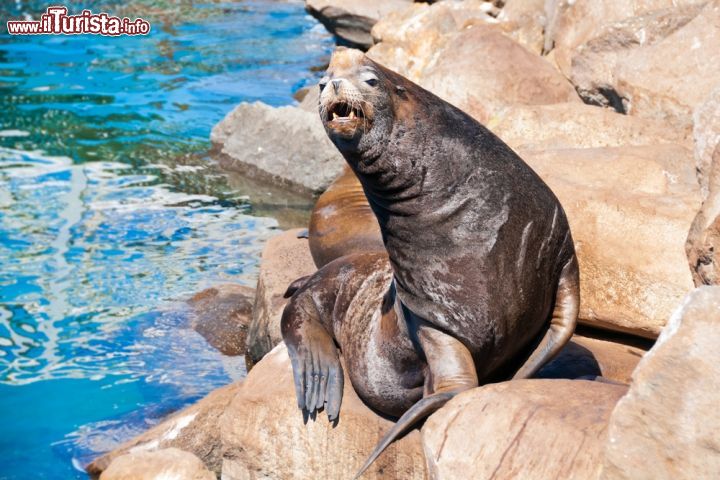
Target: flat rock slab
[
  {"x": 264, "y": 435},
  {"x": 525, "y": 429},
  {"x": 667, "y": 425}
]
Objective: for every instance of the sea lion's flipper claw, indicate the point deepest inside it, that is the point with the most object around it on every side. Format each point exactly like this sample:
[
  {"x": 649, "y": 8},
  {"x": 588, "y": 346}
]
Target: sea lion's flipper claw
[
  {"x": 417, "y": 412},
  {"x": 309, "y": 401},
  {"x": 298, "y": 379},
  {"x": 322, "y": 395},
  {"x": 333, "y": 398}
]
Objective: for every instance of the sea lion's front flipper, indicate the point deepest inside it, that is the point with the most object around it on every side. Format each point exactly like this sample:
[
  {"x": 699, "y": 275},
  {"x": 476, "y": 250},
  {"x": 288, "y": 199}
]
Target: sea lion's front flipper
[
  {"x": 451, "y": 370},
  {"x": 562, "y": 323},
  {"x": 317, "y": 372},
  {"x": 295, "y": 285}
]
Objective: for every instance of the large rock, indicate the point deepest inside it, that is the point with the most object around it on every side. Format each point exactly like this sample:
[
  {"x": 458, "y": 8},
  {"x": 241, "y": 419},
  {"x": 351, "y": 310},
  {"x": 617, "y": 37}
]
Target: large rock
[
  {"x": 481, "y": 70},
  {"x": 408, "y": 40},
  {"x": 525, "y": 21},
  {"x": 352, "y": 20},
  {"x": 194, "y": 429},
  {"x": 703, "y": 243},
  {"x": 591, "y": 66},
  {"x": 666, "y": 427},
  {"x": 221, "y": 314},
  {"x": 669, "y": 79},
  {"x": 534, "y": 429},
  {"x": 169, "y": 463},
  {"x": 580, "y": 20},
  {"x": 286, "y": 145},
  {"x": 576, "y": 125},
  {"x": 284, "y": 259},
  {"x": 629, "y": 210},
  {"x": 265, "y": 436}
]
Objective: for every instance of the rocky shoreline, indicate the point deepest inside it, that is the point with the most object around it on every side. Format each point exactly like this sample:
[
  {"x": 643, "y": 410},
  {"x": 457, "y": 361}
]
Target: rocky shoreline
[{"x": 616, "y": 105}]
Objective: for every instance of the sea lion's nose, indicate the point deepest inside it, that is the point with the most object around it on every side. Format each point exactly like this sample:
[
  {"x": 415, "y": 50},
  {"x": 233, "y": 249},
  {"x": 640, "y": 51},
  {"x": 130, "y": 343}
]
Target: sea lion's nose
[{"x": 336, "y": 85}]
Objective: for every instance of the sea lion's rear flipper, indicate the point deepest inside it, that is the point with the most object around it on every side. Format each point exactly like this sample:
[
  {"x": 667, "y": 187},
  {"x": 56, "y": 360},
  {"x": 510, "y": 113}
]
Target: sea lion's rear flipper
[
  {"x": 562, "y": 323},
  {"x": 317, "y": 373},
  {"x": 451, "y": 370}
]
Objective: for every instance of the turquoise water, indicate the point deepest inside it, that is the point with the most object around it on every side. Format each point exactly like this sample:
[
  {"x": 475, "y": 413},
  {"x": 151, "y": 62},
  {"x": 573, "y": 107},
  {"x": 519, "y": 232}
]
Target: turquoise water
[{"x": 110, "y": 214}]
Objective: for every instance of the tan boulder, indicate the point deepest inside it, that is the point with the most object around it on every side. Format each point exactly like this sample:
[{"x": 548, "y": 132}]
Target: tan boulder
[
  {"x": 265, "y": 436},
  {"x": 194, "y": 429},
  {"x": 406, "y": 41},
  {"x": 529, "y": 429},
  {"x": 284, "y": 259},
  {"x": 629, "y": 210},
  {"x": 577, "y": 21},
  {"x": 525, "y": 21},
  {"x": 666, "y": 427},
  {"x": 591, "y": 66},
  {"x": 169, "y": 463},
  {"x": 481, "y": 70},
  {"x": 669, "y": 79},
  {"x": 261, "y": 141},
  {"x": 221, "y": 314},
  {"x": 352, "y": 20},
  {"x": 589, "y": 357},
  {"x": 576, "y": 125}
]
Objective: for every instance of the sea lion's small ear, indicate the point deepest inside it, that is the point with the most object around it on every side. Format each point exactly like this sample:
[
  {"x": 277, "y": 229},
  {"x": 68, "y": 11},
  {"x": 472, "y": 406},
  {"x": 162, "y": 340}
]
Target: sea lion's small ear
[{"x": 400, "y": 90}]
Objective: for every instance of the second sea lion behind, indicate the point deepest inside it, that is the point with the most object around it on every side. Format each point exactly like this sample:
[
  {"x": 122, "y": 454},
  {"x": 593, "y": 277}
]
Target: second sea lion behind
[{"x": 342, "y": 222}]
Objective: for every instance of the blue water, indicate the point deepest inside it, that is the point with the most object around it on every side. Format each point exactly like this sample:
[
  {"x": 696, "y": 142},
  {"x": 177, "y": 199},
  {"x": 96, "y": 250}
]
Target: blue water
[{"x": 111, "y": 214}]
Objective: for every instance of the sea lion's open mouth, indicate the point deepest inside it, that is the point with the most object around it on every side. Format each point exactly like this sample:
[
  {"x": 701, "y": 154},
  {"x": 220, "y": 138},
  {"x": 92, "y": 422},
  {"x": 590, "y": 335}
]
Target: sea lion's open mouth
[{"x": 342, "y": 113}]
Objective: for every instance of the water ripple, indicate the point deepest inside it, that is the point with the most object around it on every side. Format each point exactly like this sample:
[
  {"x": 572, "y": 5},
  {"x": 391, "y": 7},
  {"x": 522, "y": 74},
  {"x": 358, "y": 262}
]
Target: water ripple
[{"x": 84, "y": 249}]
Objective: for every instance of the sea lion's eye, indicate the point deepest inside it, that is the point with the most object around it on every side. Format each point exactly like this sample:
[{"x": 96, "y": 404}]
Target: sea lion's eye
[
  {"x": 372, "y": 82},
  {"x": 323, "y": 83}
]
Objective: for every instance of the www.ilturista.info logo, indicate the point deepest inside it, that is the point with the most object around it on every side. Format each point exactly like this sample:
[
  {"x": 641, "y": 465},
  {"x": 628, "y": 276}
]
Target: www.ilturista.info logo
[{"x": 55, "y": 20}]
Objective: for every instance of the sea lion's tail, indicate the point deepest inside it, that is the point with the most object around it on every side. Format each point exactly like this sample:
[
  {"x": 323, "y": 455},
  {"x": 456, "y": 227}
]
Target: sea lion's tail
[{"x": 417, "y": 412}]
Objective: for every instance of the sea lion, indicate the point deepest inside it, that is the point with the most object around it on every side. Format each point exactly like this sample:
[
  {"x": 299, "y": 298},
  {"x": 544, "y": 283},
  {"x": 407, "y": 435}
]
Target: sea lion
[
  {"x": 342, "y": 222},
  {"x": 485, "y": 282}
]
